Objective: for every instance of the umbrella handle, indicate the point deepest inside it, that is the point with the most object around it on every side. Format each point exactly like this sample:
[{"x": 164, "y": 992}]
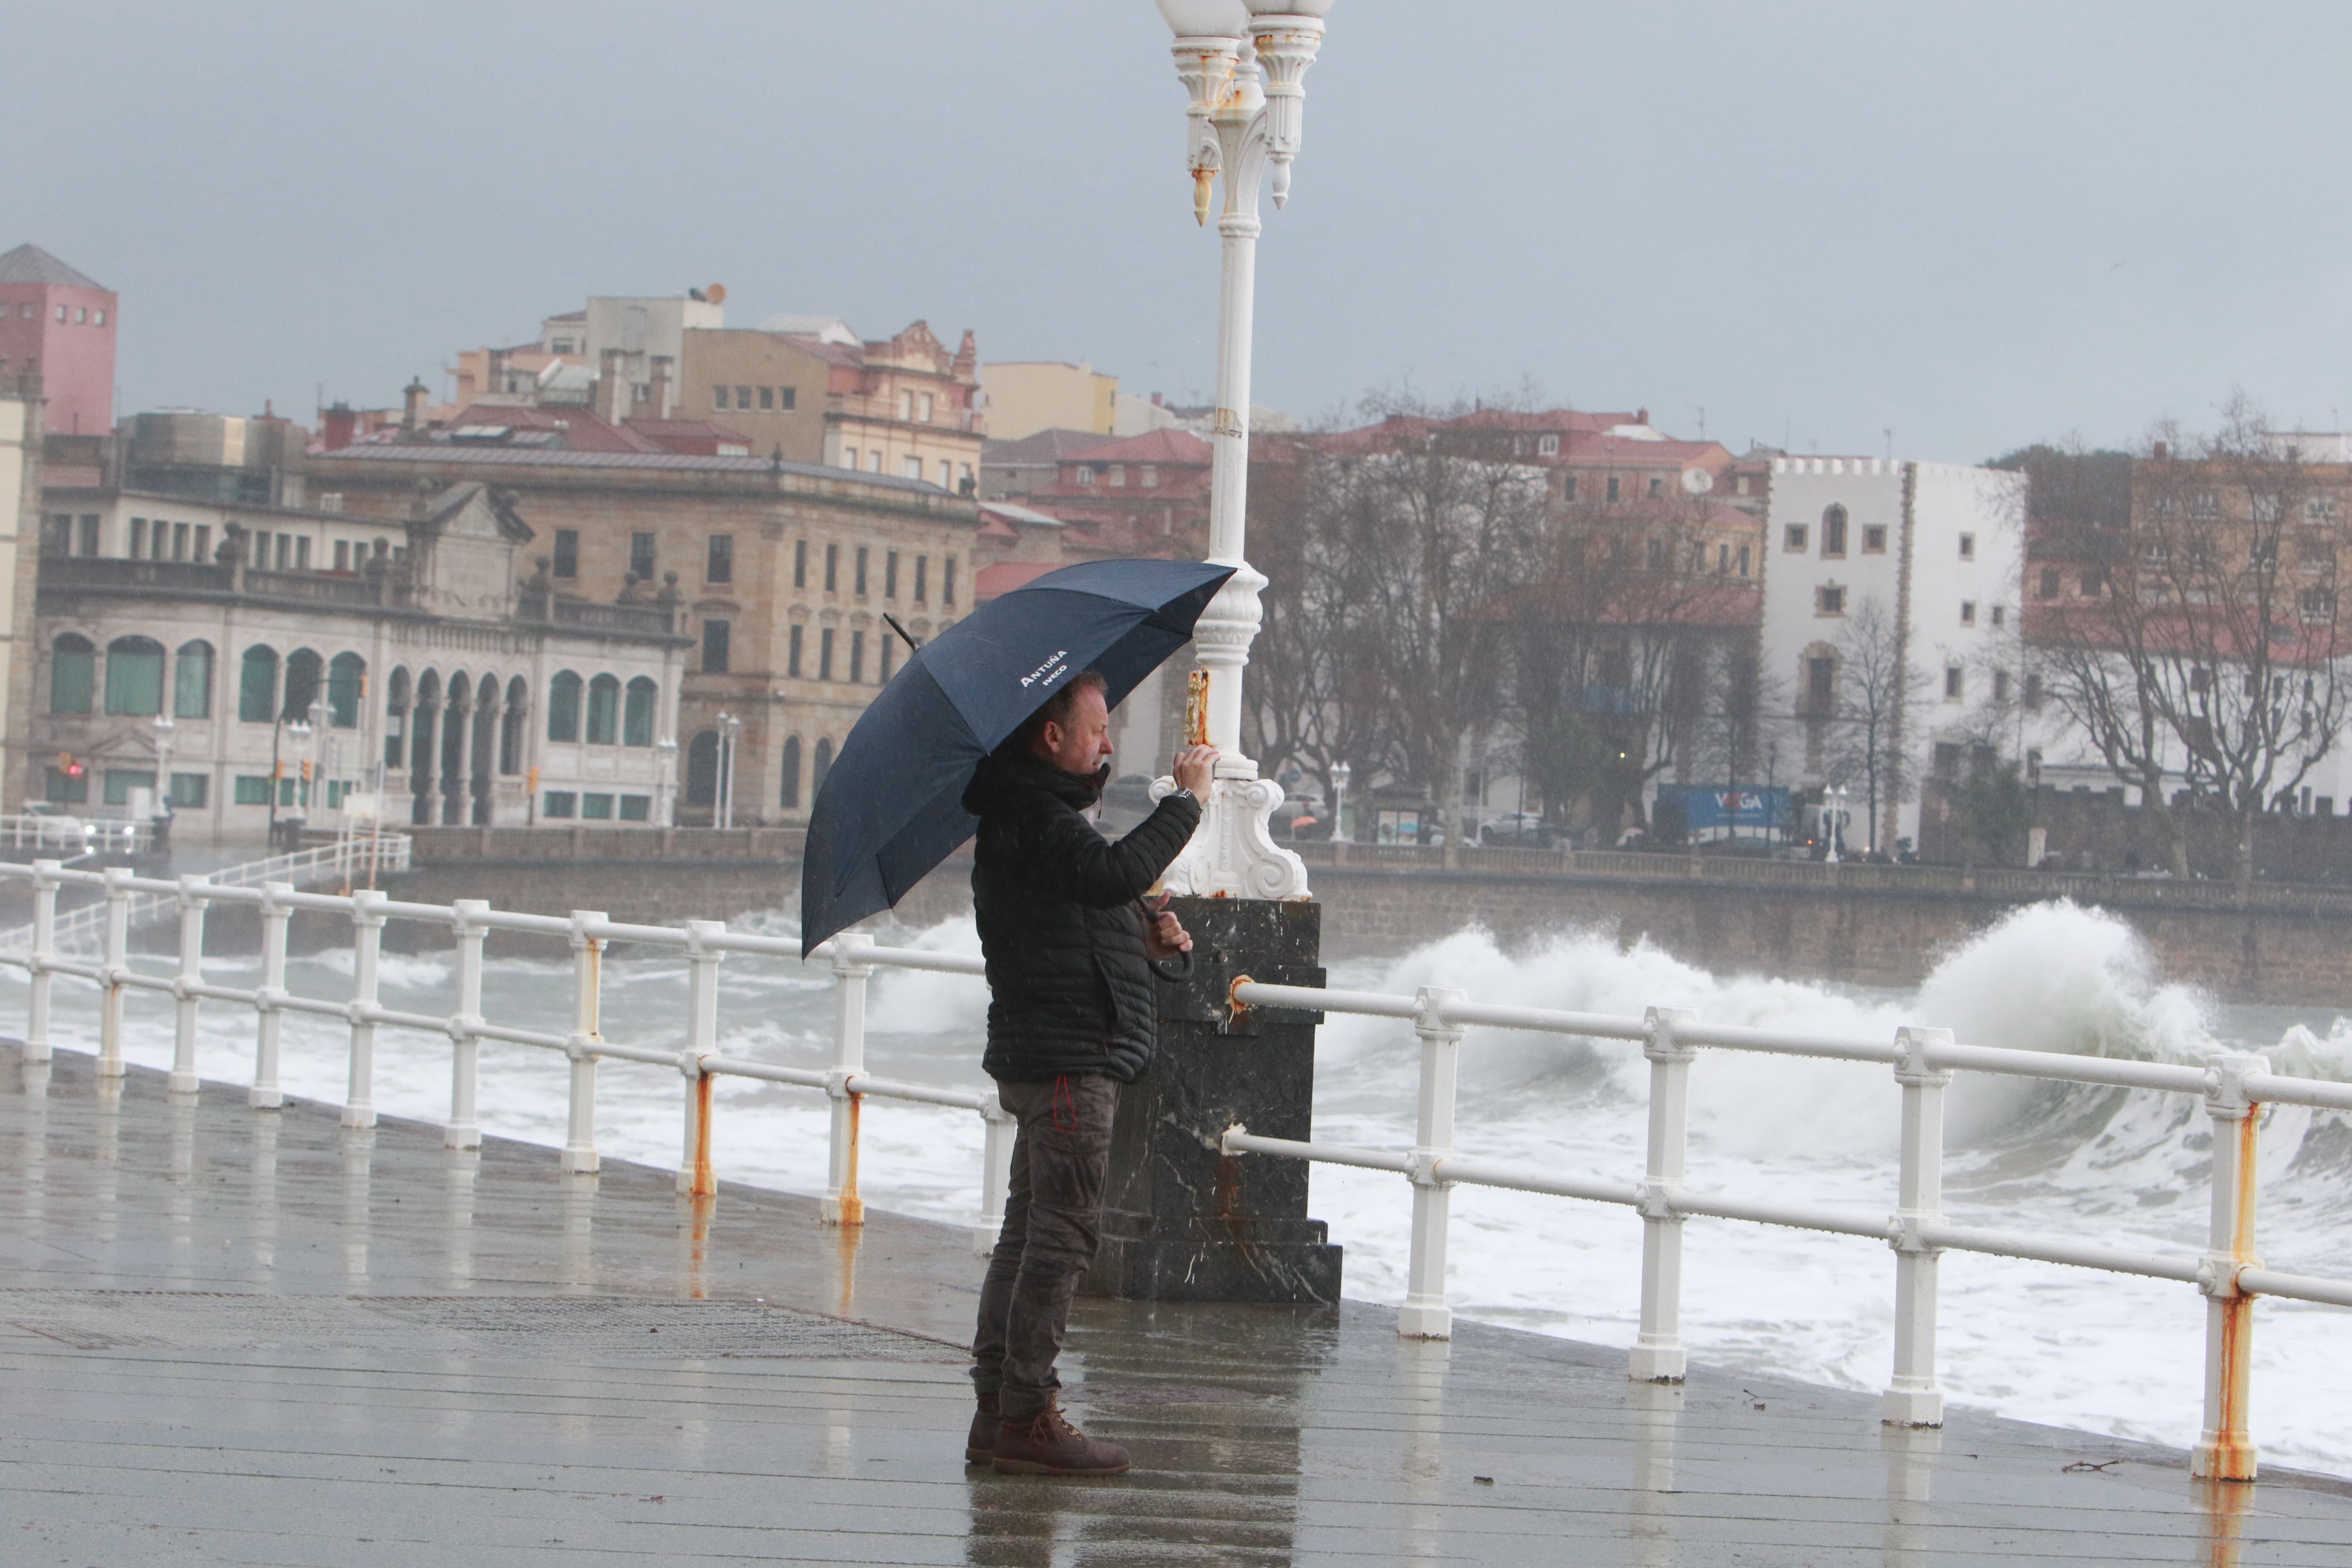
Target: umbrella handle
[{"x": 1177, "y": 968}]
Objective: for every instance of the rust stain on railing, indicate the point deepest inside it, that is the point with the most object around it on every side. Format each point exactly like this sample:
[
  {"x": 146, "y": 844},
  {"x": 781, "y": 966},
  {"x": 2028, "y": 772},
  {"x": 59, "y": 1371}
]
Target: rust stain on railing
[
  {"x": 853, "y": 1208},
  {"x": 703, "y": 1184}
]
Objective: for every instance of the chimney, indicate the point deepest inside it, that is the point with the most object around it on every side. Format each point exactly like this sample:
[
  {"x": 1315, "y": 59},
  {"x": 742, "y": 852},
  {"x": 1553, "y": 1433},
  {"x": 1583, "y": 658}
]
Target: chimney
[
  {"x": 2162, "y": 451},
  {"x": 612, "y": 388},
  {"x": 1641, "y": 416},
  {"x": 412, "y": 405},
  {"x": 338, "y": 426},
  {"x": 498, "y": 373},
  {"x": 661, "y": 387}
]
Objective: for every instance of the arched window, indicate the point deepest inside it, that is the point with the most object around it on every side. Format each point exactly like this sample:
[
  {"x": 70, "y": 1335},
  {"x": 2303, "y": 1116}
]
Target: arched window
[
  {"x": 637, "y": 712},
  {"x": 510, "y": 725},
  {"x": 702, "y": 769},
  {"x": 563, "y": 707},
  {"x": 346, "y": 675},
  {"x": 257, "y": 686},
  {"x": 791, "y": 797},
  {"x": 191, "y": 681},
  {"x": 824, "y": 766},
  {"x": 73, "y": 674},
  {"x": 303, "y": 667},
  {"x": 395, "y": 717},
  {"x": 604, "y": 709},
  {"x": 134, "y": 677},
  {"x": 1833, "y": 531}
]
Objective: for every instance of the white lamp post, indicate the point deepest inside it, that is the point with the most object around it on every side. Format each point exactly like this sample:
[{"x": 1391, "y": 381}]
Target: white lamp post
[
  {"x": 665, "y": 782},
  {"x": 1244, "y": 63},
  {"x": 731, "y": 734},
  {"x": 1340, "y": 774},
  {"x": 159, "y": 813},
  {"x": 1833, "y": 818}
]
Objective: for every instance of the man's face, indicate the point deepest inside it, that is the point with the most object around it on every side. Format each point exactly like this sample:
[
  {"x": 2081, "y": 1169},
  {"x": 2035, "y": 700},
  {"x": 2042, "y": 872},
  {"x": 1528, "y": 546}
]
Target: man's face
[{"x": 1083, "y": 745}]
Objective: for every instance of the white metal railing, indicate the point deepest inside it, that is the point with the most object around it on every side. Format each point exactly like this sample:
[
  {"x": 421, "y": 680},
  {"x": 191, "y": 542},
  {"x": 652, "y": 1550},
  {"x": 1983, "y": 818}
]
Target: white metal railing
[
  {"x": 2233, "y": 1088},
  {"x": 705, "y": 944},
  {"x": 346, "y": 858},
  {"x": 76, "y": 835}
]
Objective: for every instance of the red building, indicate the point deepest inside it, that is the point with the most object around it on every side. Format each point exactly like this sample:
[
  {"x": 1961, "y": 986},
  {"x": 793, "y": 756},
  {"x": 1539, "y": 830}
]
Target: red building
[
  {"x": 55, "y": 320},
  {"x": 1143, "y": 495}
]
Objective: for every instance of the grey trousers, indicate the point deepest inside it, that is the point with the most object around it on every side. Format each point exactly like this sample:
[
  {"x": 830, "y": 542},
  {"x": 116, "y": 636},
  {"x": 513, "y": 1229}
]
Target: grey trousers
[{"x": 1052, "y": 1223}]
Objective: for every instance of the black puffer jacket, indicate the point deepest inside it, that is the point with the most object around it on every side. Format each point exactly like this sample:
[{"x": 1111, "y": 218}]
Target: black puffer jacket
[{"x": 1070, "y": 990}]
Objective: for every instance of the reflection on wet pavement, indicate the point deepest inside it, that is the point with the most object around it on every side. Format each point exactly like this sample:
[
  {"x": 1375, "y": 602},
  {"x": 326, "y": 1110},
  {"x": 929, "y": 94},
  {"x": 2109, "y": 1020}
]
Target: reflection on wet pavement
[{"x": 253, "y": 1335}]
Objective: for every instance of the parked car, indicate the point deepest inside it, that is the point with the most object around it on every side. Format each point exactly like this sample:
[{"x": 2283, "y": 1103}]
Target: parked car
[{"x": 1519, "y": 830}]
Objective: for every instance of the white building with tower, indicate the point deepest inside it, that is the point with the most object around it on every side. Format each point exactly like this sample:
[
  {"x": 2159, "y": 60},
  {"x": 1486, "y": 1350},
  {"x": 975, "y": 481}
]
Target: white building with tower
[{"x": 1919, "y": 564}]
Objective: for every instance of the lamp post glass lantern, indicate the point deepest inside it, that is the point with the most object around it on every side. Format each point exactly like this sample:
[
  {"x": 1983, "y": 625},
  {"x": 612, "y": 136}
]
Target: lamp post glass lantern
[{"x": 1244, "y": 65}]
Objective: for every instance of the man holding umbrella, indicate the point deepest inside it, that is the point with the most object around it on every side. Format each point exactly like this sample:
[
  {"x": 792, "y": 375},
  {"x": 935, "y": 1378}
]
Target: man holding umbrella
[
  {"x": 1070, "y": 1018},
  {"x": 1000, "y": 726}
]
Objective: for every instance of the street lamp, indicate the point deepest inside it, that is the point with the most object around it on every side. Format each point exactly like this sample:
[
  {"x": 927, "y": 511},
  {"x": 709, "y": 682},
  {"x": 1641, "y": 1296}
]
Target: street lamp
[
  {"x": 730, "y": 734},
  {"x": 665, "y": 782},
  {"x": 159, "y": 813},
  {"x": 1833, "y": 818},
  {"x": 1242, "y": 64},
  {"x": 1340, "y": 774}
]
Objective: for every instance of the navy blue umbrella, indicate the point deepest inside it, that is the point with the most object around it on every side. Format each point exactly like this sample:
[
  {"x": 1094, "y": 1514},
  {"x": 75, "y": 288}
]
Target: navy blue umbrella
[{"x": 891, "y": 807}]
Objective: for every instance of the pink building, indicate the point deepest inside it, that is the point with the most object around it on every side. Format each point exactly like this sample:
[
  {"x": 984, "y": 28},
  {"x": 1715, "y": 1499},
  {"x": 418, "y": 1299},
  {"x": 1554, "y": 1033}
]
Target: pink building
[{"x": 53, "y": 318}]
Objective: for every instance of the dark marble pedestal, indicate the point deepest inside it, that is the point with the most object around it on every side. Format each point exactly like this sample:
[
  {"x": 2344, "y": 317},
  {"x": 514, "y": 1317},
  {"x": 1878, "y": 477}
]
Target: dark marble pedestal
[{"x": 1181, "y": 1221}]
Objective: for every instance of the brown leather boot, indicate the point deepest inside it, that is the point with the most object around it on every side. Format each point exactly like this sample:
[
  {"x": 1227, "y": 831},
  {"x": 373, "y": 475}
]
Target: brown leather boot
[
  {"x": 981, "y": 1446},
  {"x": 1047, "y": 1445}
]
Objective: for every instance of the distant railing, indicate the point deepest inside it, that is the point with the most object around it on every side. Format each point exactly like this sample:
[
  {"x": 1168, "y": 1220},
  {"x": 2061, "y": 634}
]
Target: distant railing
[
  {"x": 346, "y": 858},
  {"x": 2232, "y": 1086},
  {"x": 76, "y": 835},
  {"x": 120, "y": 571}
]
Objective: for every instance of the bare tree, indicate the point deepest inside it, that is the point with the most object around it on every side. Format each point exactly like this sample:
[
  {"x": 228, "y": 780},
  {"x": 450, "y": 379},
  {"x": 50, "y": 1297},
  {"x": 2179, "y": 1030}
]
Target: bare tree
[
  {"x": 2203, "y": 637},
  {"x": 1875, "y": 685}
]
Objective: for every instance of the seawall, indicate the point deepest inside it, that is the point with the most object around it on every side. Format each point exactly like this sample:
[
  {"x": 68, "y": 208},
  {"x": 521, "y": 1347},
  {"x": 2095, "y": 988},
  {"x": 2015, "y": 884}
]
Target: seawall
[{"x": 1873, "y": 925}]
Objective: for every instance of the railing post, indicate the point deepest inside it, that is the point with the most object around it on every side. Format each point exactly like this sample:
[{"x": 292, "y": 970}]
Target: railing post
[
  {"x": 45, "y": 949},
  {"x": 465, "y": 1131},
  {"x": 1426, "y": 1315},
  {"x": 192, "y": 975},
  {"x": 1911, "y": 1398},
  {"x": 367, "y": 947},
  {"x": 842, "y": 1204},
  {"x": 2225, "y": 1448},
  {"x": 580, "y": 1156},
  {"x": 275, "y": 914},
  {"x": 1657, "y": 1355},
  {"x": 995, "y": 1173},
  {"x": 116, "y": 964},
  {"x": 694, "y": 1173}
]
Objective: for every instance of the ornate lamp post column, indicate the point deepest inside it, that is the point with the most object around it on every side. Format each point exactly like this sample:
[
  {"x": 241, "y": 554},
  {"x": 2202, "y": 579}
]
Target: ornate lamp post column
[
  {"x": 665, "y": 782},
  {"x": 1244, "y": 63}
]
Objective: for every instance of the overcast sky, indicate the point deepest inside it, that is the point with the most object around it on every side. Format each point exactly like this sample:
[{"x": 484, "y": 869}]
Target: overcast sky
[{"x": 1971, "y": 224}]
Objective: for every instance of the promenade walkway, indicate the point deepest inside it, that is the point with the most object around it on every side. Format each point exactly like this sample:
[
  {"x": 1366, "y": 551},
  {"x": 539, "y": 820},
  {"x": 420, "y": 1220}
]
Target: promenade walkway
[{"x": 230, "y": 1337}]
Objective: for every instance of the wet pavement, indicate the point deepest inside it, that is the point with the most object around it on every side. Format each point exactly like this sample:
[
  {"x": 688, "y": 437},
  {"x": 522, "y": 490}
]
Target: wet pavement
[{"x": 230, "y": 1336}]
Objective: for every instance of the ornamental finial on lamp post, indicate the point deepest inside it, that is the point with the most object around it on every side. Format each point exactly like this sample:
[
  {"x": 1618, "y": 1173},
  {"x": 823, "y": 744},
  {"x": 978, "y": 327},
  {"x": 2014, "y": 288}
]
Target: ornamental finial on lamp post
[{"x": 1245, "y": 109}]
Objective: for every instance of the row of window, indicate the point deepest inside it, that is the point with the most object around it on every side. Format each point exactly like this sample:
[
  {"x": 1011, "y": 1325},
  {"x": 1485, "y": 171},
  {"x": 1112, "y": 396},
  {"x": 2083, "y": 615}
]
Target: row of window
[
  {"x": 167, "y": 539},
  {"x": 952, "y": 476},
  {"x": 81, "y": 314},
  {"x": 1114, "y": 476},
  {"x": 135, "y": 682},
  {"x": 718, "y": 561},
  {"x": 771, "y": 399},
  {"x": 827, "y": 641},
  {"x": 861, "y": 562},
  {"x": 564, "y": 805},
  {"x": 1796, "y": 537},
  {"x": 1613, "y": 487},
  {"x": 613, "y": 712}
]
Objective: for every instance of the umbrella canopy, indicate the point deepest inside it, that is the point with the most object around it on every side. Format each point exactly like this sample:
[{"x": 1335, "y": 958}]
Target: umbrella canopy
[{"x": 891, "y": 806}]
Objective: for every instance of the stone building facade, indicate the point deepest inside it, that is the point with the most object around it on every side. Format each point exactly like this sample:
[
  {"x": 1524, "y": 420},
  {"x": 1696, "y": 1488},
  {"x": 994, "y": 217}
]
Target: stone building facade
[
  {"x": 403, "y": 660},
  {"x": 779, "y": 573}
]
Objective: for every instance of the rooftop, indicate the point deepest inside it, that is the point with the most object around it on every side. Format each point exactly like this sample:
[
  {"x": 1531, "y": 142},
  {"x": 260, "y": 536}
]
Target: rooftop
[
  {"x": 542, "y": 457},
  {"x": 31, "y": 264},
  {"x": 250, "y": 1336}
]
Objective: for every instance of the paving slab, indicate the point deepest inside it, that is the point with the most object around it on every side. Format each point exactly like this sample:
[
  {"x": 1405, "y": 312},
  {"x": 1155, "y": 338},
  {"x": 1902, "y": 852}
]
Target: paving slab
[{"x": 230, "y": 1336}]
